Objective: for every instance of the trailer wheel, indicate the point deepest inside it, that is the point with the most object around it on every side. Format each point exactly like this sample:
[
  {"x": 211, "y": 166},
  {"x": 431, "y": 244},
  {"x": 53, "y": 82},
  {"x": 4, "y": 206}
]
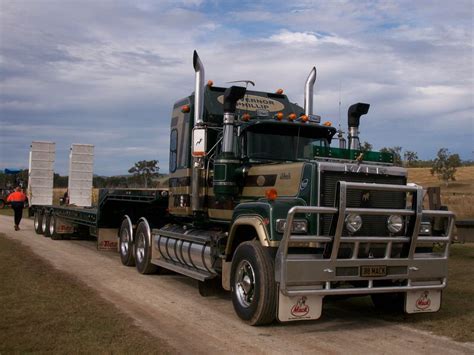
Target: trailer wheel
[
  {"x": 38, "y": 221},
  {"x": 127, "y": 255},
  {"x": 143, "y": 249},
  {"x": 2, "y": 204},
  {"x": 253, "y": 284},
  {"x": 52, "y": 228},
  {"x": 44, "y": 223}
]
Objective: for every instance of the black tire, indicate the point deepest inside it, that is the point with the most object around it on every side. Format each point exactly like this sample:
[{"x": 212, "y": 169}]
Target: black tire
[
  {"x": 2, "y": 204},
  {"x": 45, "y": 224},
  {"x": 127, "y": 253},
  {"x": 142, "y": 250},
  {"x": 253, "y": 284},
  {"x": 52, "y": 228},
  {"x": 38, "y": 222}
]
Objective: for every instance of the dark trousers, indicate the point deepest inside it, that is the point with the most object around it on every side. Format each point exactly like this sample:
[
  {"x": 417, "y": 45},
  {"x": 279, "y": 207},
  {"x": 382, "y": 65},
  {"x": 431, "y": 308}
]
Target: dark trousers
[{"x": 18, "y": 209}]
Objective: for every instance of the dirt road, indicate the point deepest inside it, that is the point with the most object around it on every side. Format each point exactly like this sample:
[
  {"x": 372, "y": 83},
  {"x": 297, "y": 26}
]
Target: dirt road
[{"x": 170, "y": 307}]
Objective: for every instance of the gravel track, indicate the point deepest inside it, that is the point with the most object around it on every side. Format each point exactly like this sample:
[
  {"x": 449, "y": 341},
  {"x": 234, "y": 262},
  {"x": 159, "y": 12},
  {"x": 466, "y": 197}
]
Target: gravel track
[{"x": 170, "y": 307}]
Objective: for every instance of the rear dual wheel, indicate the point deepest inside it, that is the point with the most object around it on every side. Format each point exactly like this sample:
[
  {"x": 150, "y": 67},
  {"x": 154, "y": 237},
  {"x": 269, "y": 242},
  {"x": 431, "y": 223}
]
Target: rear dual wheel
[
  {"x": 127, "y": 253},
  {"x": 143, "y": 249}
]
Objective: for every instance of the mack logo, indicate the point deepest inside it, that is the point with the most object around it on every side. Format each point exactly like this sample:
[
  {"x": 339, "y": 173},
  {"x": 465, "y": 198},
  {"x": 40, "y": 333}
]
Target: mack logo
[
  {"x": 424, "y": 301},
  {"x": 254, "y": 103},
  {"x": 351, "y": 168},
  {"x": 300, "y": 309}
]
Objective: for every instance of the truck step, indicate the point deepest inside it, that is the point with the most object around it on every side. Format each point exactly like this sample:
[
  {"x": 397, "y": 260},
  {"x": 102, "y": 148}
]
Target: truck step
[{"x": 180, "y": 269}]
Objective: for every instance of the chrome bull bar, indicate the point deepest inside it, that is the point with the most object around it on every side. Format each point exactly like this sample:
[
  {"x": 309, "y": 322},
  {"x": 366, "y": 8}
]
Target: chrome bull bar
[{"x": 299, "y": 275}]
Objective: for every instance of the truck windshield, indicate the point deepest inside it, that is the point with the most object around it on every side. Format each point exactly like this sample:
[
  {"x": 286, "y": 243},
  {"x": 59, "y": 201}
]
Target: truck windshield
[{"x": 285, "y": 143}]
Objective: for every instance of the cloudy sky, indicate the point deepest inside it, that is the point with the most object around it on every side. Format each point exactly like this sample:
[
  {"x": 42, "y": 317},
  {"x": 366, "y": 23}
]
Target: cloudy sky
[{"x": 107, "y": 72}]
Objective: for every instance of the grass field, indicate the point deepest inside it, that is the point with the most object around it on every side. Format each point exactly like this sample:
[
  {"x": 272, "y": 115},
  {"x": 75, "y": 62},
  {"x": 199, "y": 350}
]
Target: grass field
[
  {"x": 45, "y": 310},
  {"x": 458, "y": 195}
]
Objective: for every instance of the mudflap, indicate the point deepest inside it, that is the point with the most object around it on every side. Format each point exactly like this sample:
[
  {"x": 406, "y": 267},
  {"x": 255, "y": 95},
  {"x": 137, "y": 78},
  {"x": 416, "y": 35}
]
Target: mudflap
[
  {"x": 423, "y": 301},
  {"x": 107, "y": 239},
  {"x": 293, "y": 308}
]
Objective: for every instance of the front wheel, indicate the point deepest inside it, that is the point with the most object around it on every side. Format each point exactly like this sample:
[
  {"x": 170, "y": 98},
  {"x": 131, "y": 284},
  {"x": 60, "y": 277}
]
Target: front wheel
[
  {"x": 126, "y": 243},
  {"x": 253, "y": 284},
  {"x": 143, "y": 249}
]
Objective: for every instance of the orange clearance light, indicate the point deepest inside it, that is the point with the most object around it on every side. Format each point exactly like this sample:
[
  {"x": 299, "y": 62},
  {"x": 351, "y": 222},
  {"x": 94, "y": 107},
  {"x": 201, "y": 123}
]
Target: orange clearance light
[
  {"x": 279, "y": 116},
  {"x": 279, "y": 92},
  {"x": 185, "y": 108},
  {"x": 210, "y": 83},
  {"x": 245, "y": 117},
  {"x": 292, "y": 116},
  {"x": 271, "y": 194},
  {"x": 327, "y": 124},
  {"x": 304, "y": 118}
]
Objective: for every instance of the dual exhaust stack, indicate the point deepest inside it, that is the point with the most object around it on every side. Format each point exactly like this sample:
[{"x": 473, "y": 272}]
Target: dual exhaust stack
[{"x": 227, "y": 161}]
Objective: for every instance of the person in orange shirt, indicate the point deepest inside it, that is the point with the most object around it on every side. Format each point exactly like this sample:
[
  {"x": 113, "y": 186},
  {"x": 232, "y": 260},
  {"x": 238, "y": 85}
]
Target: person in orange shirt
[{"x": 17, "y": 199}]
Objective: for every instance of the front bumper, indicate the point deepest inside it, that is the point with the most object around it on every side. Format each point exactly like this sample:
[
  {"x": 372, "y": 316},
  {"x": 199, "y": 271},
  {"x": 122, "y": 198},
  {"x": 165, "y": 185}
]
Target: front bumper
[{"x": 310, "y": 274}]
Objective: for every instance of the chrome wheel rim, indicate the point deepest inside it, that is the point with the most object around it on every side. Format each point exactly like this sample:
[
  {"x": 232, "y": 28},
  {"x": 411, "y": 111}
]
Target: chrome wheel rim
[
  {"x": 124, "y": 241},
  {"x": 43, "y": 223},
  {"x": 51, "y": 225},
  {"x": 140, "y": 247},
  {"x": 245, "y": 283},
  {"x": 36, "y": 221}
]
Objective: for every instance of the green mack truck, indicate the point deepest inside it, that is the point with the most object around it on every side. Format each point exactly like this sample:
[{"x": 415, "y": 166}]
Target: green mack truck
[{"x": 260, "y": 202}]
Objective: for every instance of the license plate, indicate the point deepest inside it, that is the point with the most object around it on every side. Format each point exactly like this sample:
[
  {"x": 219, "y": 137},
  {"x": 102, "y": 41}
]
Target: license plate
[{"x": 373, "y": 271}]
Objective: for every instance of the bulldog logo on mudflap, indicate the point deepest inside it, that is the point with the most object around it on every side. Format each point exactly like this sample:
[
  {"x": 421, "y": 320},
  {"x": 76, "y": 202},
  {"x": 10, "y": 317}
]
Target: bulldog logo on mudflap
[
  {"x": 300, "y": 309},
  {"x": 424, "y": 301}
]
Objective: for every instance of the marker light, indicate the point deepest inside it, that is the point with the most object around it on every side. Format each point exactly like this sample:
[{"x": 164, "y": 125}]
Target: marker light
[
  {"x": 292, "y": 116},
  {"x": 327, "y": 124},
  {"x": 279, "y": 92},
  {"x": 185, "y": 108},
  {"x": 279, "y": 116},
  {"x": 210, "y": 83},
  {"x": 245, "y": 117},
  {"x": 304, "y": 118},
  {"x": 271, "y": 194}
]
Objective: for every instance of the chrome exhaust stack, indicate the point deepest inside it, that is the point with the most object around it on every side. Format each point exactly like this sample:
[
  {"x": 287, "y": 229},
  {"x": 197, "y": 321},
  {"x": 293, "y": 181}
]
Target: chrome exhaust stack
[
  {"x": 197, "y": 201},
  {"x": 198, "y": 90},
  {"x": 308, "y": 92},
  {"x": 353, "y": 121}
]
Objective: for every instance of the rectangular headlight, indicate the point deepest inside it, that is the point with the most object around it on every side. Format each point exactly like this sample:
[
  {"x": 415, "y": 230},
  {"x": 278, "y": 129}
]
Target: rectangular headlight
[{"x": 299, "y": 226}]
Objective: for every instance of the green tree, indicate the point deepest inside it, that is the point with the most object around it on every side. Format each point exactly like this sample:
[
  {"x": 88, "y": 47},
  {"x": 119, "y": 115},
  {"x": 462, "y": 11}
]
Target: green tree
[
  {"x": 445, "y": 164},
  {"x": 397, "y": 153},
  {"x": 146, "y": 169},
  {"x": 411, "y": 157},
  {"x": 366, "y": 147}
]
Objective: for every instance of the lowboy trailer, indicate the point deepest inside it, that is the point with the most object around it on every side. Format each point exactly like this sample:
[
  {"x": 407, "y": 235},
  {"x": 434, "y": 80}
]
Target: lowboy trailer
[{"x": 260, "y": 201}]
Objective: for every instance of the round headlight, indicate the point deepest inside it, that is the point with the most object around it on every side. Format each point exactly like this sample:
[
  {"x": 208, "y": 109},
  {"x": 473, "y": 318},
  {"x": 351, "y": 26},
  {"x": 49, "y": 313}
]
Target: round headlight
[
  {"x": 353, "y": 222},
  {"x": 395, "y": 223}
]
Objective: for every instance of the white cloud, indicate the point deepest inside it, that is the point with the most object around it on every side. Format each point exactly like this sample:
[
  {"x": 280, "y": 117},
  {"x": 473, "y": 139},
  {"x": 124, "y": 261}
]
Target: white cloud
[{"x": 69, "y": 71}]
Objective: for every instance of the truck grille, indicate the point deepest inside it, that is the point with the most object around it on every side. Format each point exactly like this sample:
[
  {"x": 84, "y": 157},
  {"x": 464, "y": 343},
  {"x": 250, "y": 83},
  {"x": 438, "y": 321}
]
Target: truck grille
[{"x": 372, "y": 225}]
